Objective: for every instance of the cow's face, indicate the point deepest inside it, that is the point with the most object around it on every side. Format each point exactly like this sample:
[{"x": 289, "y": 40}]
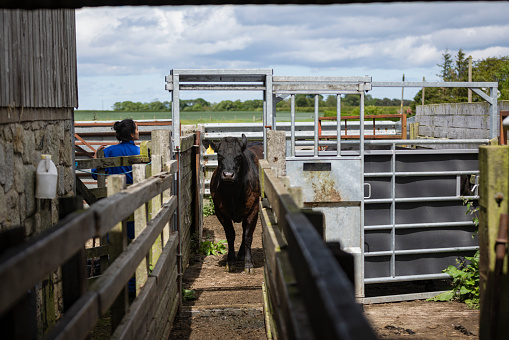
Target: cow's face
[{"x": 230, "y": 158}]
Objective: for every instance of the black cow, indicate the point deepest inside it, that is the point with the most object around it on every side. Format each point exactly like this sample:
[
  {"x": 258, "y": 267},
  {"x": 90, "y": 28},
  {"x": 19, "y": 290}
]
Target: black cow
[{"x": 235, "y": 190}]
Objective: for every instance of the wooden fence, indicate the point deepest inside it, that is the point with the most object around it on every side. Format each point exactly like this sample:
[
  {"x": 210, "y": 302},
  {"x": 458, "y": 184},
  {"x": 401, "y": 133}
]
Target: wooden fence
[
  {"x": 307, "y": 291},
  {"x": 155, "y": 256}
]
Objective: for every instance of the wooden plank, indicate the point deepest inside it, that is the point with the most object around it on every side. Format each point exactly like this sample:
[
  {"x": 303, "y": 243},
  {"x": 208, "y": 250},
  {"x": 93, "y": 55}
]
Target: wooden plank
[
  {"x": 275, "y": 298},
  {"x": 109, "y": 162},
  {"x": 51, "y": 248},
  {"x": 139, "y": 312},
  {"x": 79, "y": 320},
  {"x": 20, "y": 320},
  {"x": 268, "y": 313},
  {"x": 326, "y": 290},
  {"x": 98, "y": 193},
  {"x": 117, "y": 244},
  {"x": 158, "y": 138},
  {"x": 117, "y": 275},
  {"x": 85, "y": 192},
  {"x": 74, "y": 278},
  {"x": 119, "y": 206},
  {"x": 280, "y": 199},
  {"x": 493, "y": 184},
  {"x": 97, "y": 251},
  {"x": 164, "y": 266},
  {"x": 292, "y": 308},
  {"x": 140, "y": 223}
]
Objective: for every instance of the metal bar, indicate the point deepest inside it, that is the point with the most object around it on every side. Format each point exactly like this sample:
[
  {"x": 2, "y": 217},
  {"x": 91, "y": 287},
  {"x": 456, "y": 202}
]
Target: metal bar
[
  {"x": 292, "y": 123},
  {"x": 433, "y": 84},
  {"x": 316, "y": 125},
  {"x": 393, "y": 211},
  {"x": 420, "y": 225},
  {"x": 420, "y": 251},
  {"x": 421, "y": 173},
  {"x": 269, "y": 96},
  {"x": 175, "y": 111},
  {"x": 401, "y": 297},
  {"x": 322, "y": 79},
  {"x": 338, "y": 123},
  {"x": 407, "y": 278},
  {"x": 421, "y": 199},
  {"x": 430, "y": 141},
  {"x": 493, "y": 112},
  {"x": 361, "y": 130},
  {"x": 219, "y": 87},
  {"x": 483, "y": 95}
]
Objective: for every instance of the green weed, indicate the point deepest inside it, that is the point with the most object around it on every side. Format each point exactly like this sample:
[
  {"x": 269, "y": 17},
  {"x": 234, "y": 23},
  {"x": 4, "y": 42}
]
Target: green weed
[
  {"x": 465, "y": 278},
  {"x": 465, "y": 282},
  {"x": 208, "y": 209},
  {"x": 210, "y": 248},
  {"x": 188, "y": 294}
]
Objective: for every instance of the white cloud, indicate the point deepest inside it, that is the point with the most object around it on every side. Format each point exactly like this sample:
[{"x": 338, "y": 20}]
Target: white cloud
[{"x": 144, "y": 43}]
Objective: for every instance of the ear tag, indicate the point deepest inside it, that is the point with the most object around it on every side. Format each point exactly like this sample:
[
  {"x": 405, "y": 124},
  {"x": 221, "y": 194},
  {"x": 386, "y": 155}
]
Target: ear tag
[{"x": 210, "y": 151}]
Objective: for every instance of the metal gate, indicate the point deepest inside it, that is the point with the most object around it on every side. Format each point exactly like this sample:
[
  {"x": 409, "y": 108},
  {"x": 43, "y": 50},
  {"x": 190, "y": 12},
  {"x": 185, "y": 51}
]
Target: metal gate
[
  {"x": 416, "y": 223},
  {"x": 399, "y": 211}
]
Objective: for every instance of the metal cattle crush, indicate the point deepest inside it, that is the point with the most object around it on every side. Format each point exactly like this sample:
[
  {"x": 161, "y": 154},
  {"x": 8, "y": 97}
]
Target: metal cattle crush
[{"x": 397, "y": 208}]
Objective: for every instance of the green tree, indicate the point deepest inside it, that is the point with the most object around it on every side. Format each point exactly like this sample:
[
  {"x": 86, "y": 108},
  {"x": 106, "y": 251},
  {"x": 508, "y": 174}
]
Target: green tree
[
  {"x": 446, "y": 70},
  {"x": 491, "y": 69},
  {"x": 331, "y": 101},
  {"x": 351, "y": 100}
]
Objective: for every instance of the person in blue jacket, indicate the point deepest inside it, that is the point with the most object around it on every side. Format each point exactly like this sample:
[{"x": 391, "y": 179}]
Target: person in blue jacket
[{"x": 126, "y": 133}]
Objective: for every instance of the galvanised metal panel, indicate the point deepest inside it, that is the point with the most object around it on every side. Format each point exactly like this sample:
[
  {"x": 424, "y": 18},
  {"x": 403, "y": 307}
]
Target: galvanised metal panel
[
  {"x": 332, "y": 186},
  {"x": 415, "y": 222}
]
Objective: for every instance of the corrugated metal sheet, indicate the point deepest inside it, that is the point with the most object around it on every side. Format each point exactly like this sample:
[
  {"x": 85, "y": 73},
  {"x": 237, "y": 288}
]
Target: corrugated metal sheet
[{"x": 38, "y": 58}]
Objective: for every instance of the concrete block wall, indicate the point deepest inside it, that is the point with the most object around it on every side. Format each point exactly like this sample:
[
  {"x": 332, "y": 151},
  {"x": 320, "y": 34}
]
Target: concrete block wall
[{"x": 456, "y": 121}]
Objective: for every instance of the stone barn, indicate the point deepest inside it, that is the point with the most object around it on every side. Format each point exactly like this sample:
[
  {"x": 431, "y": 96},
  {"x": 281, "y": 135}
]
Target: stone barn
[{"x": 38, "y": 94}]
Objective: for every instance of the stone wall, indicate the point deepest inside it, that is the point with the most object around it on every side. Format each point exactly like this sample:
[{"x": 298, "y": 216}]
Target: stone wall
[
  {"x": 456, "y": 120},
  {"x": 21, "y": 147}
]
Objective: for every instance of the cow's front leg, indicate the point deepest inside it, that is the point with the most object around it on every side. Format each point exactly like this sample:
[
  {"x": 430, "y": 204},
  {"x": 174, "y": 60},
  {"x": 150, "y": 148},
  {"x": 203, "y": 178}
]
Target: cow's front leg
[
  {"x": 230, "y": 238},
  {"x": 248, "y": 227}
]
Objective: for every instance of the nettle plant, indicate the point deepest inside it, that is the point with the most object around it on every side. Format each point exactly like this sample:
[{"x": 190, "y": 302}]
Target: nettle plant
[{"x": 465, "y": 276}]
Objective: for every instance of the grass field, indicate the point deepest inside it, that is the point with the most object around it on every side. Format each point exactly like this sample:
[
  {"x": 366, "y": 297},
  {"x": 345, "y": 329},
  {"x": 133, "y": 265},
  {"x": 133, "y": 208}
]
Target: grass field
[
  {"x": 189, "y": 117},
  {"x": 202, "y": 117}
]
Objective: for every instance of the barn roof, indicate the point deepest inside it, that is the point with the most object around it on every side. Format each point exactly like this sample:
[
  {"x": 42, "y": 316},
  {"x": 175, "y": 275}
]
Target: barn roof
[{"x": 35, "y": 4}]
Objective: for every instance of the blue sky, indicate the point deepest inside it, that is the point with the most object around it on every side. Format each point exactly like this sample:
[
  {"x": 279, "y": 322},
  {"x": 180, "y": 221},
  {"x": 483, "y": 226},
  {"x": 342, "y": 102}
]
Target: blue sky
[{"x": 124, "y": 53}]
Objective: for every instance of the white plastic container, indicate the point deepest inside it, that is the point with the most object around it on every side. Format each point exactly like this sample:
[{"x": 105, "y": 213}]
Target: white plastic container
[{"x": 46, "y": 178}]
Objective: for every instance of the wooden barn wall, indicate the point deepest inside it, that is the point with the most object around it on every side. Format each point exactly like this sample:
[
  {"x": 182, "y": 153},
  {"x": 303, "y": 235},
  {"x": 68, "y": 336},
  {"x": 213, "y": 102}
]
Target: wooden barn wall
[{"x": 38, "y": 63}]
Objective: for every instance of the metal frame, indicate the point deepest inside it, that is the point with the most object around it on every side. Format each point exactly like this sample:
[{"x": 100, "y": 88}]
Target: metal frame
[
  {"x": 218, "y": 80},
  {"x": 277, "y": 88},
  {"x": 393, "y": 200},
  {"x": 474, "y": 86}
]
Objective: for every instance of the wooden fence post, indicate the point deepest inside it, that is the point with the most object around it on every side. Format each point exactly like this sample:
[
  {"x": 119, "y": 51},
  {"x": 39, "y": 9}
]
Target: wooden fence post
[
  {"x": 140, "y": 223},
  {"x": 494, "y": 199},
  {"x": 20, "y": 321},
  {"x": 161, "y": 153},
  {"x": 117, "y": 244},
  {"x": 74, "y": 278}
]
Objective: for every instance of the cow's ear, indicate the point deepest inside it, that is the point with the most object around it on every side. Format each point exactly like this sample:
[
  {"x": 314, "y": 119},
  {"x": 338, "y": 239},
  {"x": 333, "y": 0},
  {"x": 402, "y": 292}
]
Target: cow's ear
[
  {"x": 208, "y": 144},
  {"x": 244, "y": 142}
]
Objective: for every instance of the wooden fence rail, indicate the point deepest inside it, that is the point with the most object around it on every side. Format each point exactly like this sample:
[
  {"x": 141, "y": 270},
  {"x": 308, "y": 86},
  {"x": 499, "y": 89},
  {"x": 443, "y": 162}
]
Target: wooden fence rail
[
  {"x": 308, "y": 295},
  {"x": 25, "y": 265}
]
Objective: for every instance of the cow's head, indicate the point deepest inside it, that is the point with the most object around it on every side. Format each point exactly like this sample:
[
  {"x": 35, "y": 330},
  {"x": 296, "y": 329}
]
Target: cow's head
[{"x": 230, "y": 157}]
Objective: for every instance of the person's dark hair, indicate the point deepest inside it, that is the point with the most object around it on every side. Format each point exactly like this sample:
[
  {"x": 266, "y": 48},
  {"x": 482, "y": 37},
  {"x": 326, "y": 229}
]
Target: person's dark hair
[{"x": 124, "y": 129}]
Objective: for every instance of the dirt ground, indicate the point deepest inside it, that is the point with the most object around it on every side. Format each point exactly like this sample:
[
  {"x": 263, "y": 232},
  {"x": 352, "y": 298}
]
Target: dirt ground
[{"x": 230, "y": 305}]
